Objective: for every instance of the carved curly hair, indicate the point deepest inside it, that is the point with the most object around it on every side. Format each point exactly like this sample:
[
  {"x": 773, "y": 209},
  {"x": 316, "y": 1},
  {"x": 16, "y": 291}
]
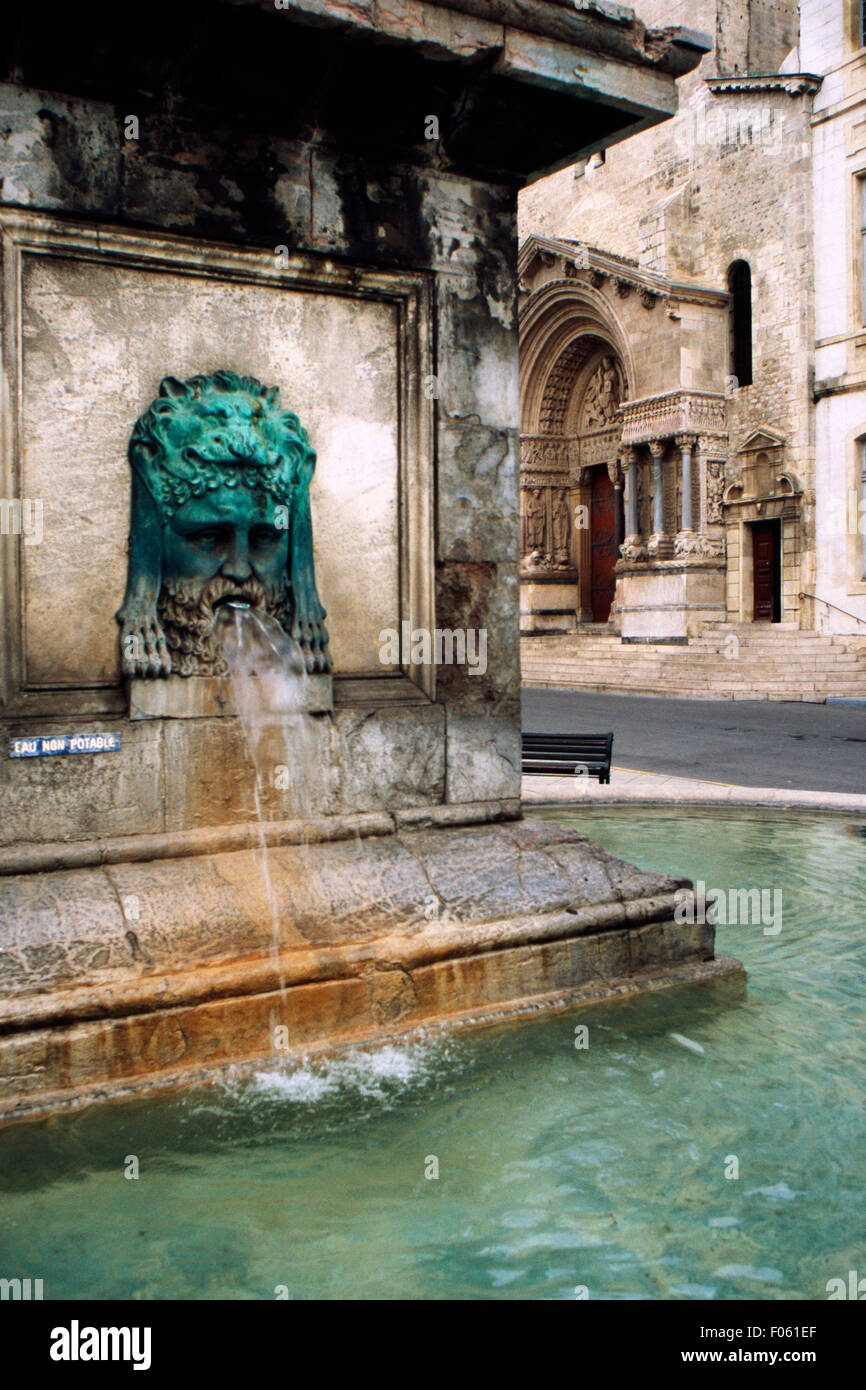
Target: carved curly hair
[{"x": 221, "y": 430}]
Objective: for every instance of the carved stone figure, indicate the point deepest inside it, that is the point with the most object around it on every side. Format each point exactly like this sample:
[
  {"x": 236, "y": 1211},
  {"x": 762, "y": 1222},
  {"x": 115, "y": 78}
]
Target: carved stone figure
[
  {"x": 533, "y": 561},
  {"x": 220, "y": 513},
  {"x": 715, "y": 491},
  {"x": 535, "y": 520},
  {"x": 560, "y": 527},
  {"x": 633, "y": 548},
  {"x": 601, "y": 399},
  {"x": 707, "y": 547}
]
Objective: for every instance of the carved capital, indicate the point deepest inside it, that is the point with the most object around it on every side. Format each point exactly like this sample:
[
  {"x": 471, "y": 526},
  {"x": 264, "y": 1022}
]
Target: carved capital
[
  {"x": 713, "y": 446},
  {"x": 633, "y": 548},
  {"x": 656, "y": 448},
  {"x": 686, "y": 441}
]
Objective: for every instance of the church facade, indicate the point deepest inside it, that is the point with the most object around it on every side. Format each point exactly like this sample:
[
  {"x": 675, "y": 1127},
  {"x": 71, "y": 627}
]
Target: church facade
[{"x": 691, "y": 313}]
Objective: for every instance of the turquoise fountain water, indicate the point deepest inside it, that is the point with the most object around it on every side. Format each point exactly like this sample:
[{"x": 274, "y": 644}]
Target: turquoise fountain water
[{"x": 559, "y": 1169}]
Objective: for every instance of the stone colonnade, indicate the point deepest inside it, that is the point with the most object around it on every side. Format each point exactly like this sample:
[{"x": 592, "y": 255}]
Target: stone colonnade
[{"x": 662, "y": 543}]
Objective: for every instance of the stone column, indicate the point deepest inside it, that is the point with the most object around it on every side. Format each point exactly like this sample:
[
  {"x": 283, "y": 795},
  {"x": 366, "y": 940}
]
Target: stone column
[
  {"x": 686, "y": 443},
  {"x": 617, "y": 477},
  {"x": 633, "y": 545},
  {"x": 687, "y": 542},
  {"x": 632, "y": 523},
  {"x": 660, "y": 545}
]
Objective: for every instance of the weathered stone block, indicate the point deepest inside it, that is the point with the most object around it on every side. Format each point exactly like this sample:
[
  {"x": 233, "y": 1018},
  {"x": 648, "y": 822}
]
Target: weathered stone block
[
  {"x": 390, "y": 757},
  {"x": 483, "y": 757},
  {"x": 83, "y": 796}
]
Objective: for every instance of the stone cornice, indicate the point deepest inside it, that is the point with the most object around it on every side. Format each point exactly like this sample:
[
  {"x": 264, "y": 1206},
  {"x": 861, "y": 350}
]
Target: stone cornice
[
  {"x": 542, "y": 54},
  {"x": 603, "y": 26},
  {"x": 578, "y": 260},
  {"x": 603, "y": 29},
  {"x": 679, "y": 564},
  {"x": 796, "y": 84}
]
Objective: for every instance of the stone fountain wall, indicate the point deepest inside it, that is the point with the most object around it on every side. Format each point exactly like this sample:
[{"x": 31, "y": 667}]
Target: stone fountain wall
[{"x": 101, "y": 314}]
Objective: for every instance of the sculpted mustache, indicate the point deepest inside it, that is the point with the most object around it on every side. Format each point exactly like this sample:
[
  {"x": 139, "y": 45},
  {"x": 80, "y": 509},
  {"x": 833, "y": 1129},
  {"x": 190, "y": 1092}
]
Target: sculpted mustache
[
  {"x": 250, "y": 589},
  {"x": 204, "y": 599}
]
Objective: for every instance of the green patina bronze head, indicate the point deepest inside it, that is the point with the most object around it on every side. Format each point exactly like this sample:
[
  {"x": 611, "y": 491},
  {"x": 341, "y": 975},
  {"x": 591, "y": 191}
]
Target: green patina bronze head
[
  {"x": 220, "y": 512},
  {"x": 219, "y": 431}
]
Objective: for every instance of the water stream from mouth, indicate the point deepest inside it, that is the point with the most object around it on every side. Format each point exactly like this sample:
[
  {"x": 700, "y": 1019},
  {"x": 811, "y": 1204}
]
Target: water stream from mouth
[{"x": 270, "y": 687}]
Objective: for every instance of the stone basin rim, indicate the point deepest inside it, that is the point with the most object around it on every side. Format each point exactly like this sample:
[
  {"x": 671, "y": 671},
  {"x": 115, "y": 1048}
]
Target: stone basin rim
[
  {"x": 239, "y": 977},
  {"x": 718, "y": 972},
  {"x": 184, "y": 844}
]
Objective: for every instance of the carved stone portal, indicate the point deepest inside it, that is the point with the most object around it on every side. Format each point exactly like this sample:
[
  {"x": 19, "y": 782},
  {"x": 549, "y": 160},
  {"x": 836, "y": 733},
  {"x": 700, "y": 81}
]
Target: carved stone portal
[
  {"x": 602, "y": 396},
  {"x": 220, "y": 513}
]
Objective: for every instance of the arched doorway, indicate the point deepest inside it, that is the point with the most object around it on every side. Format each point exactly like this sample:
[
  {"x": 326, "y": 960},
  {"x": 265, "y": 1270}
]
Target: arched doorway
[{"x": 575, "y": 372}]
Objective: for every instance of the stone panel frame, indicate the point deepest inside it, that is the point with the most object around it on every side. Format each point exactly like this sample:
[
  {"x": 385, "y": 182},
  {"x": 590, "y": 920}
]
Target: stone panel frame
[{"x": 25, "y": 233}]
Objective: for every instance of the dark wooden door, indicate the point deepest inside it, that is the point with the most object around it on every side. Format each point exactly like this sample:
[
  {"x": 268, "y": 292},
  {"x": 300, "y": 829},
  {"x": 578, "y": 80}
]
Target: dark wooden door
[
  {"x": 603, "y": 541},
  {"x": 765, "y": 553}
]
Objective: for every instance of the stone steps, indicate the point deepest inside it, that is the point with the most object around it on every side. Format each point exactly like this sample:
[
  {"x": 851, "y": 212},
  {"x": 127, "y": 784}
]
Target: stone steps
[{"x": 775, "y": 663}]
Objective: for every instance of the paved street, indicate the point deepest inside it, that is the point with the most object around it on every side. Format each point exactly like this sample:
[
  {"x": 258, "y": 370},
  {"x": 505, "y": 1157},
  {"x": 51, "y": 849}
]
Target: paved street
[{"x": 748, "y": 743}]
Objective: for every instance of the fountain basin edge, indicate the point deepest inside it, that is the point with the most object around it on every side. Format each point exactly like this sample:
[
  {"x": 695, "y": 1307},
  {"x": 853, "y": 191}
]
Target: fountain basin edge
[{"x": 378, "y": 937}]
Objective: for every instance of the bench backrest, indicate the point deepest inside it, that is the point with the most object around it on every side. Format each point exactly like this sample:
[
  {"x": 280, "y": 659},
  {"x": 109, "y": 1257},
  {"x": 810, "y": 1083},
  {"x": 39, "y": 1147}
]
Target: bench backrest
[{"x": 584, "y": 748}]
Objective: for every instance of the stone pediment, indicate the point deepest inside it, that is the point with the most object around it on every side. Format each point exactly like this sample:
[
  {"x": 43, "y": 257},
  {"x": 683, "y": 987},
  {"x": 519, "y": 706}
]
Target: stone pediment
[
  {"x": 761, "y": 458},
  {"x": 762, "y": 439}
]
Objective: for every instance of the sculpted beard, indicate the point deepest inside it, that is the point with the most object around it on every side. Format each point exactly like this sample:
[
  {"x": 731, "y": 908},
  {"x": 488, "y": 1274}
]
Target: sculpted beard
[{"x": 186, "y": 612}]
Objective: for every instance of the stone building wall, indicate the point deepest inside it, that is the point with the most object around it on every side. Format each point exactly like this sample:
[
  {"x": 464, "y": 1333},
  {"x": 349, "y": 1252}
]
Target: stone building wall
[
  {"x": 728, "y": 178},
  {"x": 831, "y": 46}
]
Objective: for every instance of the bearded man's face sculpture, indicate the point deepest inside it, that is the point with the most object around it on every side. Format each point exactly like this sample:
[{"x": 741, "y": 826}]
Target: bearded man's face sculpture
[{"x": 220, "y": 514}]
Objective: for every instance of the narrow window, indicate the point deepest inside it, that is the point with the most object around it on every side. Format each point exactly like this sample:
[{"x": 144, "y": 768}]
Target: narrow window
[
  {"x": 862, "y": 517},
  {"x": 740, "y": 288},
  {"x": 863, "y": 23}
]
